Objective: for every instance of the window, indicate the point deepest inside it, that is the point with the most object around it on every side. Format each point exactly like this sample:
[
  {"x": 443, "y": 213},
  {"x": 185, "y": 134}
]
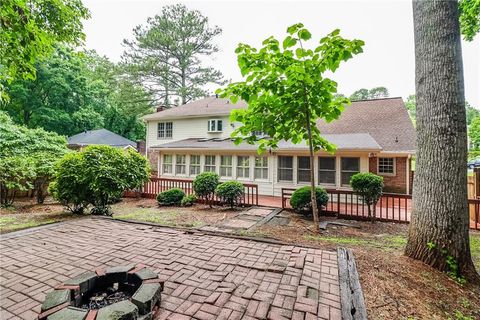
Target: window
[
  {"x": 303, "y": 170},
  {"x": 350, "y": 166},
  {"x": 194, "y": 165},
  {"x": 226, "y": 166},
  {"x": 180, "y": 164},
  {"x": 165, "y": 130},
  {"x": 210, "y": 164},
  {"x": 285, "y": 168},
  {"x": 167, "y": 166},
  {"x": 326, "y": 170},
  {"x": 261, "y": 168},
  {"x": 386, "y": 166},
  {"x": 243, "y": 167},
  {"x": 215, "y": 125}
]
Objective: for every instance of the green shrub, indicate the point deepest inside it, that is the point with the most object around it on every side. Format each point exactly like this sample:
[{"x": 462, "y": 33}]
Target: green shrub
[
  {"x": 204, "y": 186},
  {"x": 369, "y": 186},
  {"x": 97, "y": 176},
  {"x": 189, "y": 200},
  {"x": 301, "y": 200},
  {"x": 172, "y": 197},
  {"x": 230, "y": 192}
]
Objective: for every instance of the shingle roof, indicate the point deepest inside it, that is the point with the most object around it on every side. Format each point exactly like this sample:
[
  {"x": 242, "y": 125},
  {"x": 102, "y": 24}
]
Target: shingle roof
[
  {"x": 100, "y": 136},
  {"x": 351, "y": 142},
  {"x": 385, "y": 120},
  {"x": 203, "y": 107}
]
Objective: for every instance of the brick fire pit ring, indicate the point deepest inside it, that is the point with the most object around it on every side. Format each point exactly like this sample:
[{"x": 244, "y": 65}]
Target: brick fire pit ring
[{"x": 68, "y": 300}]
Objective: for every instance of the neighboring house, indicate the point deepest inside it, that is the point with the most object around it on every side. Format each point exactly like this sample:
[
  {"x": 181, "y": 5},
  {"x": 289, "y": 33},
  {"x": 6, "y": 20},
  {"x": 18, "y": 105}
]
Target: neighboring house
[
  {"x": 99, "y": 137},
  {"x": 371, "y": 135}
]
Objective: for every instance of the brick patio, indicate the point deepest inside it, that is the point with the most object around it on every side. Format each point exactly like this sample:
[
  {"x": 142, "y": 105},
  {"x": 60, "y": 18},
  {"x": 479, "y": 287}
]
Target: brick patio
[{"x": 206, "y": 277}]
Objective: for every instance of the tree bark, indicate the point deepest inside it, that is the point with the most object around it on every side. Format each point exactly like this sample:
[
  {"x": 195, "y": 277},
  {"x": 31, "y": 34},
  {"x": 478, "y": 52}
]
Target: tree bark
[
  {"x": 313, "y": 190},
  {"x": 440, "y": 221}
]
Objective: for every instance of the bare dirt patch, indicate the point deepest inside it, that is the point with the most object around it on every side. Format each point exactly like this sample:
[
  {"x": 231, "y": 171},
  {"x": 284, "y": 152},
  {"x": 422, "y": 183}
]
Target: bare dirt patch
[
  {"x": 395, "y": 287},
  {"x": 147, "y": 210}
]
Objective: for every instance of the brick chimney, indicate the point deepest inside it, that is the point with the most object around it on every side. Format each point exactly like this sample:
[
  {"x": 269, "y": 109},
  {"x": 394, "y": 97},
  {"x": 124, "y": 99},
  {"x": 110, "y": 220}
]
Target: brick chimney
[
  {"x": 161, "y": 108},
  {"x": 141, "y": 147}
]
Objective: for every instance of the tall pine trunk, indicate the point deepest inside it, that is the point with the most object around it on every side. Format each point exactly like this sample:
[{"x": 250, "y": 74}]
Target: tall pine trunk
[{"x": 440, "y": 221}]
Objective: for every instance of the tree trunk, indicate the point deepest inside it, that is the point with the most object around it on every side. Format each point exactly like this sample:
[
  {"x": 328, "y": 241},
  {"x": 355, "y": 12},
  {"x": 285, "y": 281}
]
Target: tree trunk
[
  {"x": 440, "y": 221},
  {"x": 313, "y": 191}
]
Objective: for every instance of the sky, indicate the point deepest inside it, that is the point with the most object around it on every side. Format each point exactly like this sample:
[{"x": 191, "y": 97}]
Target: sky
[{"x": 385, "y": 26}]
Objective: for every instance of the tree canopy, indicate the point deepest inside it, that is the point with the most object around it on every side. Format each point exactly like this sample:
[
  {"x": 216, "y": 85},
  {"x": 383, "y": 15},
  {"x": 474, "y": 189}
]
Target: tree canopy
[
  {"x": 374, "y": 93},
  {"x": 77, "y": 91},
  {"x": 30, "y": 28},
  {"x": 166, "y": 55},
  {"x": 469, "y": 18},
  {"x": 287, "y": 91}
]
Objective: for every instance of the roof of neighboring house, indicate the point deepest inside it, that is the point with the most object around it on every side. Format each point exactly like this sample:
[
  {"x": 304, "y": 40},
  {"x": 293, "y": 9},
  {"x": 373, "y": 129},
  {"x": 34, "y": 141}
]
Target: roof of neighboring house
[
  {"x": 350, "y": 142},
  {"x": 100, "y": 136},
  {"x": 386, "y": 120}
]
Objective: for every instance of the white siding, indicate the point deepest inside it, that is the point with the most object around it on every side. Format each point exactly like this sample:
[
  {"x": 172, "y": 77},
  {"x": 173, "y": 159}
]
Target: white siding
[{"x": 187, "y": 128}]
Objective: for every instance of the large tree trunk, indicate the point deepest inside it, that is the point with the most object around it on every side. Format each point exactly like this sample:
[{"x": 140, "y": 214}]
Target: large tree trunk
[{"x": 440, "y": 222}]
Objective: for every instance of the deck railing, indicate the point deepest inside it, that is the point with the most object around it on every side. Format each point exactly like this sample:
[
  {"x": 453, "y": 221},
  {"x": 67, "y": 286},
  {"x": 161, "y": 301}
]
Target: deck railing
[
  {"x": 391, "y": 206},
  {"x": 156, "y": 185}
]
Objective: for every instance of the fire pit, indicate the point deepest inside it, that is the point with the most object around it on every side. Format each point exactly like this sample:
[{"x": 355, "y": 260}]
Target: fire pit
[{"x": 123, "y": 293}]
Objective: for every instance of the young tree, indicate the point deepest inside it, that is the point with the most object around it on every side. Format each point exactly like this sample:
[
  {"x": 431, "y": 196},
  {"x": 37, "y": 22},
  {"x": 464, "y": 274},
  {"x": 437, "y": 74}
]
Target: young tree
[
  {"x": 287, "y": 91},
  {"x": 166, "y": 54},
  {"x": 439, "y": 231},
  {"x": 29, "y": 29}
]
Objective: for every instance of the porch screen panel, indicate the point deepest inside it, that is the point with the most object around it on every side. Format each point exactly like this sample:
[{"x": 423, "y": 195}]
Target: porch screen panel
[
  {"x": 326, "y": 170},
  {"x": 303, "y": 171},
  {"x": 350, "y": 166},
  {"x": 181, "y": 163},
  {"x": 285, "y": 168},
  {"x": 226, "y": 166},
  {"x": 210, "y": 164},
  {"x": 194, "y": 165},
  {"x": 243, "y": 167},
  {"x": 261, "y": 168},
  {"x": 167, "y": 166}
]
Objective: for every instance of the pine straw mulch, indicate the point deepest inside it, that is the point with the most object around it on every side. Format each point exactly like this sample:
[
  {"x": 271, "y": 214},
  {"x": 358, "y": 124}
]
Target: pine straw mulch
[{"x": 394, "y": 286}]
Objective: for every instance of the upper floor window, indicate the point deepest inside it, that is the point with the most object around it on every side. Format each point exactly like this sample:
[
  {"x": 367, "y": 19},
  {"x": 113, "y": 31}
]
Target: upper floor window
[
  {"x": 261, "y": 168},
  {"x": 285, "y": 168},
  {"x": 386, "y": 166},
  {"x": 215, "y": 125},
  {"x": 326, "y": 170},
  {"x": 180, "y": 164},
  {"x": 350, "y": 166},
  {"x": 303, "y": 169},
  {"x": 226, "y": 166},
  {"x": 165, "y": 130},
  {"x": 167, "y": 165},
  {"x": 210, "y": 164},
  {"x": 194, "y": 164}
]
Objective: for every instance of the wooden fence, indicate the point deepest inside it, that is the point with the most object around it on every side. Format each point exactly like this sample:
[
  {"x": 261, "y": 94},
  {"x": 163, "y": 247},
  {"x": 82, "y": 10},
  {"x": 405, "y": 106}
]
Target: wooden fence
[
  {"x": 391, "y": 206},
  {"x": 156, "y": 185}
]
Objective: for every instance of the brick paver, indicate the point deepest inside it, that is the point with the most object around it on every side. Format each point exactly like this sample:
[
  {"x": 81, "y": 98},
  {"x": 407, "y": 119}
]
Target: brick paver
[{"x": 206, "y": 277}]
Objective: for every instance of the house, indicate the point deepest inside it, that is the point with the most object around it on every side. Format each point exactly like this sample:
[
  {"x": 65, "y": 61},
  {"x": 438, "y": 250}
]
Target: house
[
  {"x": 370, "y": 135},
  {"x": 99, "y": 137}
]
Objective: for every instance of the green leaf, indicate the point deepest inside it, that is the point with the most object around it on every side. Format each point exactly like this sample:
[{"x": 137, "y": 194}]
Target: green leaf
[
  {"x": 289, "y": 42},
  {"x": 304, "y": 34}
]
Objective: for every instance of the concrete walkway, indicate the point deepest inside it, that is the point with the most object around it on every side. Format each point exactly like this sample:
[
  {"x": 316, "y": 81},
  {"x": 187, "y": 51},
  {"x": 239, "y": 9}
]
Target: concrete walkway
[
  {"x": 206, "y": 277},
  {"x": 245, "y": 220}
]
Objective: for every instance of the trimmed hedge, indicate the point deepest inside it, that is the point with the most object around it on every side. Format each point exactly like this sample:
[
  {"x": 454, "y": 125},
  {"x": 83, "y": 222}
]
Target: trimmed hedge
[
  {"x": 205, "y": 184},
  {"x": 301, "y": 200},
  {"x": 189, "y": 201},
  {"x": 172, "y": 197},
  {"x": 230, "y": 192}
]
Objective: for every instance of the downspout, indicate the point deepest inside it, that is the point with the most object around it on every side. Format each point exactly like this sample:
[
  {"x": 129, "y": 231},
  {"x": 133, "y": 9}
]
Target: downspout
[{"x": 408, "y": 173}]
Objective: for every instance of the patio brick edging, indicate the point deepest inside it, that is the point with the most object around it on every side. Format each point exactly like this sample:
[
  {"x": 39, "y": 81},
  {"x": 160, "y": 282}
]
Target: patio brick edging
[{"x": 63, "y": 301}]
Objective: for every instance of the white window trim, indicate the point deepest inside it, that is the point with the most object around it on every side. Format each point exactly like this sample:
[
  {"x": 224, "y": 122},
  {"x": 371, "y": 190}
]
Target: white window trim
[
  {"x": 163, "y": 164},
  {"x": 199, "y": 165},
  {"x": 210, "y": 165},
  {"x": 226, "y": 166},
  {"x": 164, "y": 130},
  {"x": 249, "y": 178},
  {"x": 216, "y": 121},
  {"x": 184, "y": 165},
  {"x": 387, "y": 174}
]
